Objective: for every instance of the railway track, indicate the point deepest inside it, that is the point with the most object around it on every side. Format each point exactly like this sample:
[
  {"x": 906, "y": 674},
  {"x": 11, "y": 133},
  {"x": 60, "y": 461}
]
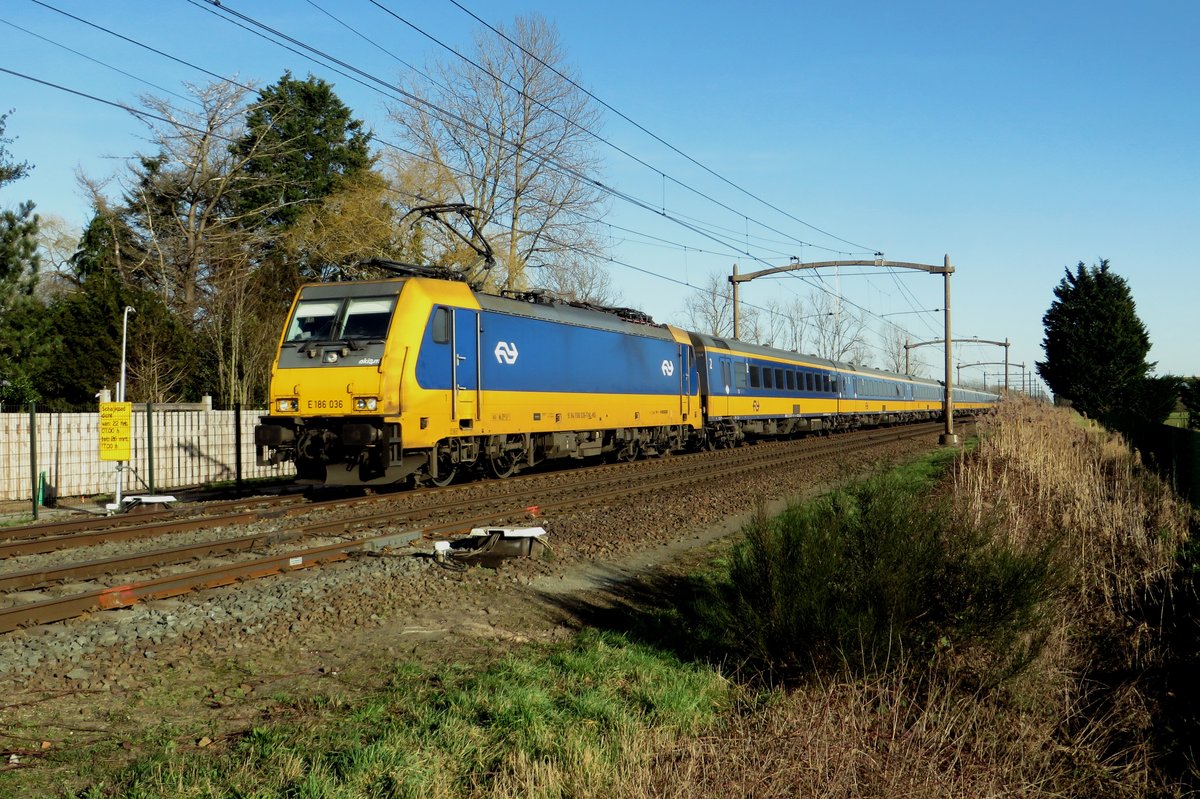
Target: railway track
[{"x": 340, "y": 528}]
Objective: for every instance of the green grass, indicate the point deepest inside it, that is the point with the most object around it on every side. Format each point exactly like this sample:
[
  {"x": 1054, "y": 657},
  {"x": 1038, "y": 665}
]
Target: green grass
[{"x": 572, "y": 720}]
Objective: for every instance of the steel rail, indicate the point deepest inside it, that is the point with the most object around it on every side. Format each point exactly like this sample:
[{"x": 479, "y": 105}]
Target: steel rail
[
  {"x": 73, "y": 541},
  {"x": 60, "y": 608}
]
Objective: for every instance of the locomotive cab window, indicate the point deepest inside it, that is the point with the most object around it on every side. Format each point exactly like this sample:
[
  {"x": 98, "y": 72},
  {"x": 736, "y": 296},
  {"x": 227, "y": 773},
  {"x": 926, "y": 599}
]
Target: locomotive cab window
[
  {"x": 313, "y": 320},
  {"x": 341, "y": 318},
  {"x": 367, "y": 317}
]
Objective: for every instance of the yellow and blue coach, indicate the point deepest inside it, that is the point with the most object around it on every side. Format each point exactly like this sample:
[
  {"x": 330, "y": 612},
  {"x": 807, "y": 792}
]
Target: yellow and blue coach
[{"x": 751, "y": 391}]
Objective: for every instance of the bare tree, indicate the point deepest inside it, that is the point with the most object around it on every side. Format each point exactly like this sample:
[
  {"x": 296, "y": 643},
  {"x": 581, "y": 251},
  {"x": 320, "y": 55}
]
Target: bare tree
[
  {"x": 584, "y": 281},
  {"x": 57, "y": 241},
  {"x": 198, "y": 247},
  {"x": 895, "y": 354},
  {"x": 709, "y": 308},
  {"x": 792, "y": 324},
  {"x": 839, "y": 332},
  {"x": 512, "y": 138}
]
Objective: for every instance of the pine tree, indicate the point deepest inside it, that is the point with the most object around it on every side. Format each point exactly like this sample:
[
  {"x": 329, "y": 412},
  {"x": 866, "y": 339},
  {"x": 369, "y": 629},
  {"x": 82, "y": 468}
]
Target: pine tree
[
  {"x": 301, "y": 142},
  {"x": 21, "y": 324},
  {"x": 1095, "y": 344}
]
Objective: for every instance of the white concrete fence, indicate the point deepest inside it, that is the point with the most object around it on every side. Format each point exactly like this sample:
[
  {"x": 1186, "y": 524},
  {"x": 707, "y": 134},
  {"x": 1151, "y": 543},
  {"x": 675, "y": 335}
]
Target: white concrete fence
[{"x": 192, "y": 445}]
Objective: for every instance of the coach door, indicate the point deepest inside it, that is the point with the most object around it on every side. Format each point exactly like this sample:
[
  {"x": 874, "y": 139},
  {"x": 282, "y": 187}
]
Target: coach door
[
  {"x": 722, "y": 386},
  {"x": 465, "y": 368},
  {"x": 685, "y": 381}
]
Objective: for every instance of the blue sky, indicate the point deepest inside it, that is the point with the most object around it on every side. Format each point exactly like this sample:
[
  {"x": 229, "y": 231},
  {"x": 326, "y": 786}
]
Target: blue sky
[{"x": 1018, "y": 138}]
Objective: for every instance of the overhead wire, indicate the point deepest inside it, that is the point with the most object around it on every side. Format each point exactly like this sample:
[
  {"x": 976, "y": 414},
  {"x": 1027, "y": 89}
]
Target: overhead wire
[
  {"x": 629, "y": 198},
  {"x": 104, "y": 64},
  {"x": 569, "y": 121},
  {"x": 656, "y": 137},
  {"x": 407, "y": 96}
]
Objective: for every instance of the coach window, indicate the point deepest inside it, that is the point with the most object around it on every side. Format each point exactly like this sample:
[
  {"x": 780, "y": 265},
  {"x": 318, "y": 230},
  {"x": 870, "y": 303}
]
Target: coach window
[
  {"x": 779, "y": 379},
  {"x": 766, "y": 377},
  {"x": 739, "y": 375},
  {"x": 825, "y": 381},
  {"x": 755, "y": 380},
  {"x": 441, "y": 326},
  {"x": 833, "y": 385},
  {"x": 791, "y": 380},
  {"x": 808, "y": 381}
]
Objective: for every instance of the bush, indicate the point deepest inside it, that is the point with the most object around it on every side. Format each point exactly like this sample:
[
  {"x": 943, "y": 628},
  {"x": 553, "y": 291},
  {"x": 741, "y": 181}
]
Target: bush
[{"x": 876, "y": 572}]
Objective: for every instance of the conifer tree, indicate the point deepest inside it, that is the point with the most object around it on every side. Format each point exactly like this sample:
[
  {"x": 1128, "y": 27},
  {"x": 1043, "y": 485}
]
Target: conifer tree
[{"x": 1095, "y": 344}]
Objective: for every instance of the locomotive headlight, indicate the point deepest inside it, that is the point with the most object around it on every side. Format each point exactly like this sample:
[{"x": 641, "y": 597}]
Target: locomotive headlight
[
  {"x": 365, "y": 403},
  {"x": 288, "y": 405}
]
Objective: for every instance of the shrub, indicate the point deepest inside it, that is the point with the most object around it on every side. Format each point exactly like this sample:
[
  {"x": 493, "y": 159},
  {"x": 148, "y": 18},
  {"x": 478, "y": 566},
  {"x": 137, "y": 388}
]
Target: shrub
[{"x": 866, "y": 575}]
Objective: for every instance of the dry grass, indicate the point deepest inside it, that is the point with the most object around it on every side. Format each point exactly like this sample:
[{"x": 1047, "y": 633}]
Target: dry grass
[
  {"x": 895, "y": 735},
  {"x": 1051, "y": 474},
  {"x": 1077, "y": 721}
]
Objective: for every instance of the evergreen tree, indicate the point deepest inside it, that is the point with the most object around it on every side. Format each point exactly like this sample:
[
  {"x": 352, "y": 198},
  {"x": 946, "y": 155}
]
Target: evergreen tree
[
  {"x": 1095, "y": 344},
  {"x": 87, "y": 356},
  {"x": 9, "y": 170},
  {"x": 301, "y": 141},
  {"x": 19, "y": 259},
  {"x": 1190, "y": 395},
  {"x": 22, "y": 328}
]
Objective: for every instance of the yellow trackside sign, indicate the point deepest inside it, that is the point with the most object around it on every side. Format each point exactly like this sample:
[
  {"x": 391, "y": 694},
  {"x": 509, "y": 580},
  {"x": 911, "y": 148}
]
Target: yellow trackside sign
[{"x": 116, "y": 429}]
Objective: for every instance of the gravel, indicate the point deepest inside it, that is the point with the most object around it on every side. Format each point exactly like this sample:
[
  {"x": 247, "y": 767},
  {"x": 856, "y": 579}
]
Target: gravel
[{"x": 404, "y": 594}]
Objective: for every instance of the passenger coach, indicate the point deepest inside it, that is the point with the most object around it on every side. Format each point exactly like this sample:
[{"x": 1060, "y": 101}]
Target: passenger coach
[{"x": 753, "y": 391}]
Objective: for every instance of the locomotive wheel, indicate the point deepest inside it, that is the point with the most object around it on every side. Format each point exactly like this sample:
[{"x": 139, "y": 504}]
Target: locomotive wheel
[
  {"x": 447, "y": 470},
  {"x": 505, "y": 464},
  {"x": 631, "y": 452},
  {"x": 445, "y": 476}
]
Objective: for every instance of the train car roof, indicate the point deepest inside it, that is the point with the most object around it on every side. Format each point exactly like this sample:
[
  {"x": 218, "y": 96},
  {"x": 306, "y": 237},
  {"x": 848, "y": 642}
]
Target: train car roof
[
  {"x": 553, "y": 310},
  {"x": 531, "y": 305},
  {"x": 352, "y": 288},
  {"x": 748, "y": 348},
  {"x": 734, "y": 345}
]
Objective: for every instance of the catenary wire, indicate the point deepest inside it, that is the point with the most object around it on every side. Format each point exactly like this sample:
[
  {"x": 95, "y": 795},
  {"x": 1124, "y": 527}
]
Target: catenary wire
[{"x": 148, "y": 115}]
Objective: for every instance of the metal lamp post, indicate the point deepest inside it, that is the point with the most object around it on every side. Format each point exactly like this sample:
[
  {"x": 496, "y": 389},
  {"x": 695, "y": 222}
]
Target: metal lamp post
[{"x": 121, "y": 391}]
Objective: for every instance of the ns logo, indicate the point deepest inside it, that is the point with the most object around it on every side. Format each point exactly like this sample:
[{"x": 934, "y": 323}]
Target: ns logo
[
  {"x": 506, "y": 353},
  {"x": 668, "y": 368}
]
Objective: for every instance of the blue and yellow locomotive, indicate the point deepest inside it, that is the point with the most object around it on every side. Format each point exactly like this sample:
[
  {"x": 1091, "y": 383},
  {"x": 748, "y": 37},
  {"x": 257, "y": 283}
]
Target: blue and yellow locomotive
[
  {"x": 379, "y": 381},
  {"x": 422, "y": 378}
]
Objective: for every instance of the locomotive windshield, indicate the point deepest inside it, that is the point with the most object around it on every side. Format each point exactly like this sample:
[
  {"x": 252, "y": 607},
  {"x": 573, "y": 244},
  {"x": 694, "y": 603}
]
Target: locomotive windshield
[{"x": 338, "y": 319}]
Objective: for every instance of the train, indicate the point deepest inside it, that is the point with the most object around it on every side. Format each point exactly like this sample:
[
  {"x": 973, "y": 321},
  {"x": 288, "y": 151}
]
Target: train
[{"x": 421, "y": 378}]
